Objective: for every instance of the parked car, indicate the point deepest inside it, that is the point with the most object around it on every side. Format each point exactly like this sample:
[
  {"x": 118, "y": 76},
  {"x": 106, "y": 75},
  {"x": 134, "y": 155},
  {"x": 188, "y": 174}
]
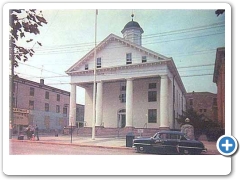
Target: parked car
[{"x": 169, "y": 142}]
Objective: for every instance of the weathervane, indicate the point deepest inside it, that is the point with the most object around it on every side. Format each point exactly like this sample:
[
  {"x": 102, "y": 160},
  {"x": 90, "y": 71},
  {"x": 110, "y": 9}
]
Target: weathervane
[{"x": 132, "y": 15}]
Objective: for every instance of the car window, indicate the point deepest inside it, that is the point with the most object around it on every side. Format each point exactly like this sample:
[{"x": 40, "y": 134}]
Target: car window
[
  {"x": 163, "y": 136},
  {"x": 174, "y": 136}
]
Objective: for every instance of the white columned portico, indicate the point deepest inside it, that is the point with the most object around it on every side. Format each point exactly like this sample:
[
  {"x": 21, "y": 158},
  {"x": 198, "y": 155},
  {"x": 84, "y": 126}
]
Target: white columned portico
[
  {"x": 99, "y": 103},
  {"x": 129, "y": 103},
  {"x": 72, "y": 109},
  {"x": 164, "y": 102}
]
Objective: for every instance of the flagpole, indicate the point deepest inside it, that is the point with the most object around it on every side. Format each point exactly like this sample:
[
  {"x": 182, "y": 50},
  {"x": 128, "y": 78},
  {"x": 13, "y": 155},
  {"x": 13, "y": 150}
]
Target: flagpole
[{"x": 94, "y": 81}]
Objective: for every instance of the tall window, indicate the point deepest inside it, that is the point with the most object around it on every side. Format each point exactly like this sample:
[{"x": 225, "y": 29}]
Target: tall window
[
  {"x": 152, "y": 94},
  {"x": 46, "y": 95},
  {"x": 65, "y": 111},
  {"x": 58, "y": 97},
  {"x": 46, "y": 107},
  {"x": 144, "y": 59},
  {"x": 31, "y": 91},
  {"x": 31, "y": 105},
  {"x": 57, "y": 109},
  {"x": 99, "y": 62},
  {"x": 152, "y": 116},
  {"x": 129, "y": 58},
  {"x": 122, "y": 95}
]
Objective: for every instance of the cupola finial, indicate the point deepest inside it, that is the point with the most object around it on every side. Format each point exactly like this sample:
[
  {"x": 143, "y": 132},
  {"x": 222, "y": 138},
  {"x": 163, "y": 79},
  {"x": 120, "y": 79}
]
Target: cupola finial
[{"x": 132, "y": 15}]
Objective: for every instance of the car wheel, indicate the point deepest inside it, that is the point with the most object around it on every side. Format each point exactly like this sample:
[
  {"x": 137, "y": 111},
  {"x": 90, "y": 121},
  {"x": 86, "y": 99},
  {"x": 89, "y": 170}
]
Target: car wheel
[
  {"x": 141, "y": 149},
  {"x": 184, "y": 151}
]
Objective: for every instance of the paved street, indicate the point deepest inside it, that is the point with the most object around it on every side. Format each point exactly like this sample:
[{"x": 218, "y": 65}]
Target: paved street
[
  {"x": 26, "y": 148},
  {"x": 65, "y": 145}
]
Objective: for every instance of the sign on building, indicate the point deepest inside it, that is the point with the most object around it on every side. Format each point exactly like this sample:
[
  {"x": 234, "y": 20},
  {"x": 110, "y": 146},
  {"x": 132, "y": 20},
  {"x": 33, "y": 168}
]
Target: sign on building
[{"x": 20, "y": 116}]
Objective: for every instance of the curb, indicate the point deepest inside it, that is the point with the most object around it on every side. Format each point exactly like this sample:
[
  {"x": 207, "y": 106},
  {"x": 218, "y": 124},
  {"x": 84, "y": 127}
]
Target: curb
[{"x": 80, "y": 145}]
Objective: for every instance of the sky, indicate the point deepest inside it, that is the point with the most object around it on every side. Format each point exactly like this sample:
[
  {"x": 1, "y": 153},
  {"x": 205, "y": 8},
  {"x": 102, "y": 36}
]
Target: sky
[{"x": 189, "y": 36}]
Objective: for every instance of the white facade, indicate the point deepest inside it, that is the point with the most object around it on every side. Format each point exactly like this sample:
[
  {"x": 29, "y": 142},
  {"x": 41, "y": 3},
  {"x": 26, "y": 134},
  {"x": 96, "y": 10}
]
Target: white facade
[{"x": 128, "y": 71}]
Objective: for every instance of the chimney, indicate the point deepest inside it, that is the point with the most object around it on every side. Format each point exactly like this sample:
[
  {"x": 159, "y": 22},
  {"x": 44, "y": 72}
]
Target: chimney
[{"x": 42, "y": 81}]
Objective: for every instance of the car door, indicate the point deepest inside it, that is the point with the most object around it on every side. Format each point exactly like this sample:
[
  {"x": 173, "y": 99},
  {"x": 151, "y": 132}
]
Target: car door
[
  {"x": 171, "y": 143},
  {"x": 159, "y": 142}
]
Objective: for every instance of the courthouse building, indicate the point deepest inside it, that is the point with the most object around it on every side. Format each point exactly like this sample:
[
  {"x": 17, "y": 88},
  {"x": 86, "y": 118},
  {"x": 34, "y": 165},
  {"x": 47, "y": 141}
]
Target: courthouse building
[{"x": 136, "y": 87}]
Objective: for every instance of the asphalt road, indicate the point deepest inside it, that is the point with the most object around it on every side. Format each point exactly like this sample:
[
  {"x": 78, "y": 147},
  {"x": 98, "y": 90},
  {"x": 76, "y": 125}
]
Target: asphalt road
[{"x": 25, "y": 148}]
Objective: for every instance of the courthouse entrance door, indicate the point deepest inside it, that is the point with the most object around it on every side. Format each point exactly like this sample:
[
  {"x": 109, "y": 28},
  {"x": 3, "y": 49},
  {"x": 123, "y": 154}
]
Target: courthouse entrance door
[{"x": 122, "y": 118}]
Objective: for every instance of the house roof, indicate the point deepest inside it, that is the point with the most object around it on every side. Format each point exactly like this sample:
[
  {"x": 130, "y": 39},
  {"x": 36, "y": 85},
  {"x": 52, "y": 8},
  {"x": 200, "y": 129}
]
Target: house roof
[{"x": 39, "y": 85}]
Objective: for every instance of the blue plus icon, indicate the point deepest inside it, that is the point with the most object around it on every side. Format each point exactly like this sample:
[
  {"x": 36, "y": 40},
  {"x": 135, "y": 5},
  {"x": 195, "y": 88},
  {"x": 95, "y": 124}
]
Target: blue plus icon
[{"x": 227, "y": 145}]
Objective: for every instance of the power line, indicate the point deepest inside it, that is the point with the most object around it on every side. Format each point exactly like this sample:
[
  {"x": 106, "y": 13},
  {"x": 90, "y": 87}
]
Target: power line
[
  {"x": 40, "y": 68},
  {"x": 117, "y": 46},
  {"x": 181, "y": 31},
  {"x": 166, "y": 33}
]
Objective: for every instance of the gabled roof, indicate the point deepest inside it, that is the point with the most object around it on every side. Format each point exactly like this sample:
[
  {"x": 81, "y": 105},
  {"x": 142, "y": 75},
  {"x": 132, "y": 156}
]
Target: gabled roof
[{"x": 102, "y": 44}]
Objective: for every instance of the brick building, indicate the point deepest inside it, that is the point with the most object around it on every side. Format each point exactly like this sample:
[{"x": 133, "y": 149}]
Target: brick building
[
  {"x": 204, "y": 103},
  {"x": 219, "y": 79},
  {"x": 36, "y": 103}
]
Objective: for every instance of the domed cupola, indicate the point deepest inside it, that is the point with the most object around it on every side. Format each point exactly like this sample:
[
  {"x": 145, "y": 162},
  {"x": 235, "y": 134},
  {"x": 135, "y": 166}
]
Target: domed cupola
[{"x": 133, "y": 32}]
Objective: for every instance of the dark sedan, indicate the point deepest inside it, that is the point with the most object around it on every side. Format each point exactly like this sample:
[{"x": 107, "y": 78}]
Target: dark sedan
[{"x": 169, "y": 142}]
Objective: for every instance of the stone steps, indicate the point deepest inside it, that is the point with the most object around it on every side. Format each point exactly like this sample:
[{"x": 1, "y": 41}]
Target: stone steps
[{"x": 115, "y": 132}]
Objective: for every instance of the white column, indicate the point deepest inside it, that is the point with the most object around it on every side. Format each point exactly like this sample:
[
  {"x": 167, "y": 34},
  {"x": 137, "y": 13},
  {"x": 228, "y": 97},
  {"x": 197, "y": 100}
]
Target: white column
[
  {"x": 164, "y": 123},
  {"x": 72, "y": 109},
  {"x": 99, "y": 99},
  {"x": 129, "y": 103}
]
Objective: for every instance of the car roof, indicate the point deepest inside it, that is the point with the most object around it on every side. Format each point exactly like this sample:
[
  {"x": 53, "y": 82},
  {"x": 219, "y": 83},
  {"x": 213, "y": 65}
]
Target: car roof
[{"x": 171, "y": 132}]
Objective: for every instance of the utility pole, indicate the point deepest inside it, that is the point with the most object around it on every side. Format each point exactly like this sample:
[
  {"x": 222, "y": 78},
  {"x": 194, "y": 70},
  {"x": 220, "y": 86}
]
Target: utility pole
[{"x": 94, "y": 81}]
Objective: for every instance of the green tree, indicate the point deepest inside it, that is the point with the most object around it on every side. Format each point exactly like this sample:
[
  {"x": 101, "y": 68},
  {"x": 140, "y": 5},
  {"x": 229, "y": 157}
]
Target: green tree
[
  {"x": 201, "y": 124},
  {"x": 219, "y": 11},
  {"x": 23, "y": 22}
]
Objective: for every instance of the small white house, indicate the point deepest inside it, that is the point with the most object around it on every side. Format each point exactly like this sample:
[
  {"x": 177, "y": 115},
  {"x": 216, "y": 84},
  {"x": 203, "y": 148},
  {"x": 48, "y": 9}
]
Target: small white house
[{"x": 136, "y": 87}]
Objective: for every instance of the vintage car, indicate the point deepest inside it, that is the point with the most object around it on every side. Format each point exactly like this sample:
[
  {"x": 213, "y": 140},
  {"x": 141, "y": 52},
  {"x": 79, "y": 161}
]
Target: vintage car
[{"x": 169, "y": 142}]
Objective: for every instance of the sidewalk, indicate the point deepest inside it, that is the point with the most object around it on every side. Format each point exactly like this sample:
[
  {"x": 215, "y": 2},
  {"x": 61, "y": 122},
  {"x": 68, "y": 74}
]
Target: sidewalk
[
  {"x": 102, "y": 142},
  {"x": 80, "y": 141}
]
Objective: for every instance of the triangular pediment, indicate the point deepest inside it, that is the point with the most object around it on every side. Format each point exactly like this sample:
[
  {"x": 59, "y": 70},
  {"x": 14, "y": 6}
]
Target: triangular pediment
[{"x": 110, "y": 49}]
